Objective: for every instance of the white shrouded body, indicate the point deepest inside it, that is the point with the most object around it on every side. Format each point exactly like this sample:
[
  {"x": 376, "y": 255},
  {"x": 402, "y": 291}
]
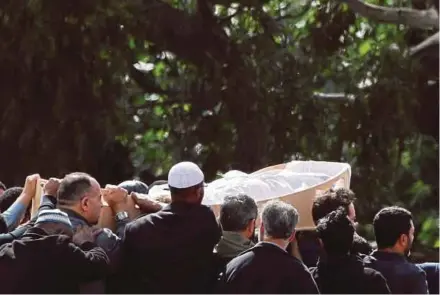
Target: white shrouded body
[{"x": 296, "y": 182}]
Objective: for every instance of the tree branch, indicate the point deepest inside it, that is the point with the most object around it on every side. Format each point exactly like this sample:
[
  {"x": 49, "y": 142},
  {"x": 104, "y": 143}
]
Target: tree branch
[
  {"x": 421, "y": 19},
  {"x": 344, "y": 97},
  {"x": 430, "y": 41}
]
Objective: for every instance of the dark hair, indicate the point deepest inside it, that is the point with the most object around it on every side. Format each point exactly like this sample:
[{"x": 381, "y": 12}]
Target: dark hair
[
  {"x": 72, "y": 187},
  {"x": 2, "y": 186},
  {"x": 135, "y": 186},
  {"x": 330, "y": 201},
  {"x": 8, "y": 198},
  {"x": 389, "y": 224},
  {"x": 237, "y": 211},
  {"x": 336, "y": 232},
  {"x": 360, "y": 245},
  {"x": 183, "y": 191}
]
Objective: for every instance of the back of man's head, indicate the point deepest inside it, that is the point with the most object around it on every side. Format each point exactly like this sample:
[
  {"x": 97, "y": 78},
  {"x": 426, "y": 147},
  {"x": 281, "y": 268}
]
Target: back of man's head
[
  {"x": 8, "y": 197},
  {"x": 360, "y": 245},
  {"x": 330, "y": 201},
  {"x": 73, "y": 187},
  {"x": 336, "y": 232},
  {"x": 389, "y": 224},
  {"x": 279, "y": 220},
  {"x": 134, "y": 186},
  {"x": 237, "y": 211},
  {"x": 186, "y": 181}
]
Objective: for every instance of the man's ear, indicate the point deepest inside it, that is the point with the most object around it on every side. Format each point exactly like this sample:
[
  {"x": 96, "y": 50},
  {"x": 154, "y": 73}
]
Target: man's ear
[
  {"x": 84, "y": 203},
  {"x": 199, "y": 192},
  {"x": 261, "y": 231},
  {"x": 292, "y": 236},
  {"x": 403, "y": 240},
  {"x": 250, "y": 228}
]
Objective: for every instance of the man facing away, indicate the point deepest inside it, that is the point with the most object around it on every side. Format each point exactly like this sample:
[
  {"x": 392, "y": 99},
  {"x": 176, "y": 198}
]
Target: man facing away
[
  {"x": 394, "y": 231},
  {"x": 331, "y": 200},
  {"x": 238, "y": 215},
  {"x": 171, "y": 251},
  {"x": 337, "y": 271},
  {"x": 267, "y": 267}
]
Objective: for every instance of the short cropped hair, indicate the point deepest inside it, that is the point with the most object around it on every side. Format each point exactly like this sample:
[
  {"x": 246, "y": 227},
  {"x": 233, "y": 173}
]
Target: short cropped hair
[
  {"x": 389, "y": 224},
  {"x": 134, "y": 186},
  {"x": 237, "y": 211},
  {"x": 360, "y": 245},
  {"x": 330, "y": 201},
  {"x": 182, "y": 191},
  {"x": 336, "y": 232},
  {"x": 8, "y": 197},
  {"x": 73, "y": 187},
  {"x": 279, "y": 219}
]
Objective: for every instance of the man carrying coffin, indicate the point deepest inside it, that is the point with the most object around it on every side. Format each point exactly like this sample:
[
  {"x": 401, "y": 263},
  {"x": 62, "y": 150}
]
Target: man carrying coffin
[
  {"x": 238, "y": 215},
  {"x": 171, "y": 251}
]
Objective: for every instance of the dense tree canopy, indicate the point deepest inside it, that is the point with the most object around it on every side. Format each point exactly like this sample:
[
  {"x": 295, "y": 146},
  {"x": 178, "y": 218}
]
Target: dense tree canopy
[{"x": 127, "y": 88}]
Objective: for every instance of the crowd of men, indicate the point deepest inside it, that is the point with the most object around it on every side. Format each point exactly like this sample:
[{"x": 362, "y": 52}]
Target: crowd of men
[{"x": 85, "y": 239}]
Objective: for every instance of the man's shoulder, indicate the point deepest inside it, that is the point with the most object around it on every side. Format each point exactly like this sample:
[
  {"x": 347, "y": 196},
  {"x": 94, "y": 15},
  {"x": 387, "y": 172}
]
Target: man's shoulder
[
  {"x": 371, "y": 272},
  {"x": 415, "y": 269},
  {"x": 266, "y": 252},
  {"x": 144, "y": 221}
]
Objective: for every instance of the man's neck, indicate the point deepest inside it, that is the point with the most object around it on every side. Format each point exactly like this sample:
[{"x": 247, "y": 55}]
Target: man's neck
[
  {"x": 72, "y": 211},
  {"x": 279, "y": 242},
  {"x": 187, "y": 200},
  {"x": 242, "y": 234},
  {"x": 391, "y": 250}
]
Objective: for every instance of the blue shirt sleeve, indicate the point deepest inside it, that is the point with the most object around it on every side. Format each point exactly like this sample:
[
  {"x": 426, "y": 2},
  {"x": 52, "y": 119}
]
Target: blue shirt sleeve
[{"x": 13, "y": 215}]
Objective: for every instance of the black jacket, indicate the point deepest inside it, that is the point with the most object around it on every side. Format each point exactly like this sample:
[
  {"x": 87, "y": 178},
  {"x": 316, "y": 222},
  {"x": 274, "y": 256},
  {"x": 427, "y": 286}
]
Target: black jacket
[
  {"x": 347, "y": 275},
  {"x": 3, "y": 225},
  {"x": 403, "y": 277},
  {"x": 42, "y": 263},
  {"x": 266, "y": 268},
  {"x": 310, "y": 248},
  {"x": 171, "y": 251}
]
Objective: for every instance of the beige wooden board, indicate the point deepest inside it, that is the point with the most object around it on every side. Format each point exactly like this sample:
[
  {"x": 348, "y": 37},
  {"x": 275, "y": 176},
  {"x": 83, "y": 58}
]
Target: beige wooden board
[{"x": 37, "y": 198}]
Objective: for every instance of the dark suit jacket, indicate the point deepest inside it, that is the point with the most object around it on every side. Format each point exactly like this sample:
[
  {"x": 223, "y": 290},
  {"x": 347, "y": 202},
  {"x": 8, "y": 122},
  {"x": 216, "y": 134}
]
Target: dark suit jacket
[
  {"x": 171, "y": 251},
  {"x": 347, "y": 275},
  {"x": 403, "y": 277},
  {"x": 3, "y": 225},
  {"x": 266, "y": 268}
]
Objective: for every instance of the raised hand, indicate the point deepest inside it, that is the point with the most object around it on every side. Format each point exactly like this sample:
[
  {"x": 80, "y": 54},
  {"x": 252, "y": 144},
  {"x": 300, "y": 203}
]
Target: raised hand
[{"x": 51, "y": 187}]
